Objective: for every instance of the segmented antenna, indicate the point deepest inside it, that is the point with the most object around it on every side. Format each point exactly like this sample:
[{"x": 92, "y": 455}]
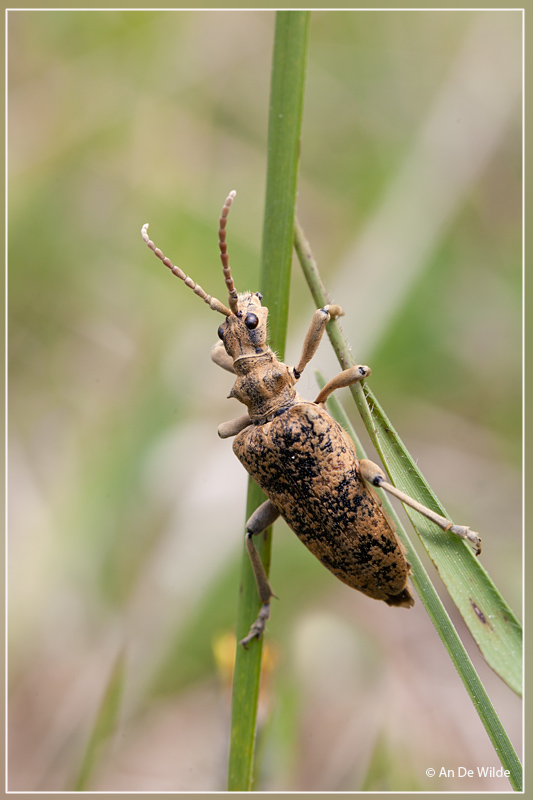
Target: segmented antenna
[
  {"x": 212, "y": 302},
  {"x": 233, "y": 298}
]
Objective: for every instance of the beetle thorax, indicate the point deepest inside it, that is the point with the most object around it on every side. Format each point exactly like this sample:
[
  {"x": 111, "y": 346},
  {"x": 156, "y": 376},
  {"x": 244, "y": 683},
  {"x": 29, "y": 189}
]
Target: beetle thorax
[{"x": 263, "y": 384}]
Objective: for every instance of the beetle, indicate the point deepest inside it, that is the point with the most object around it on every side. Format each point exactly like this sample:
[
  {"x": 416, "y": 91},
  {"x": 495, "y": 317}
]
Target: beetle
[{"x": 301, "y": 457}]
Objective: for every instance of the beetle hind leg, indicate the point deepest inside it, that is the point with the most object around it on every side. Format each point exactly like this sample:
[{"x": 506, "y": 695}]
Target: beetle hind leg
[
  {"x": 375, "y": 476},
  {"x": 260, "y": 520}
]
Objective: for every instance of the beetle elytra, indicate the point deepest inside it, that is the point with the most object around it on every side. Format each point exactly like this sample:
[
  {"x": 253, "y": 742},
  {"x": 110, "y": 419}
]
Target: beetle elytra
[{"x": 302, "y": 459}]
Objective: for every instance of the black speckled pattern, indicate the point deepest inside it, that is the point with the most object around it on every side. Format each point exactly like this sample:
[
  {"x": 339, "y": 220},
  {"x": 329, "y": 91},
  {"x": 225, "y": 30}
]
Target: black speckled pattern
[{"x": 307, "y": 466}]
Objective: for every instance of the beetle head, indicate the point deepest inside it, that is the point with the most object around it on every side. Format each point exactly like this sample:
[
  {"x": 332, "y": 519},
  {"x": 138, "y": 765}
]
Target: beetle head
[{"x": 244, "y": 333}]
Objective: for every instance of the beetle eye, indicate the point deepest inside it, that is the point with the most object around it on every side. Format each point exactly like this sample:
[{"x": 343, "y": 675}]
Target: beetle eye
[
  {"x": 221, "y": 333},
  {"x": 251, "y": 321}
]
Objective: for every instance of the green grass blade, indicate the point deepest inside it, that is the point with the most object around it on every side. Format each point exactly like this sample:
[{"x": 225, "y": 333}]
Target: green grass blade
[
  {"x": 286, "y": 105},
  {"x": 492, "y": 623},
  {"x": 104, "y": 725},
  {"x": 284, "y": 126},
  {"x": 443, "y": 624},
  {"x": 247, "y": 671}
]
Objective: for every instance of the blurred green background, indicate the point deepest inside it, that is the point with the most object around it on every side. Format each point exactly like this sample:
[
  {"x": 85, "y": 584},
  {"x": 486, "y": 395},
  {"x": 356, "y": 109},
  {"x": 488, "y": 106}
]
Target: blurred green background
[{"x": 126, "y": 511}]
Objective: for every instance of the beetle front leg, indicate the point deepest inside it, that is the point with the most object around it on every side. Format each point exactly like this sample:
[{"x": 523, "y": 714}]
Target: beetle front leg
[
  {"x": 321, "y": 317},
  {"x": 220, "y": 357},
  {"x": 261, "y": 519},
  {"x": 375, "y": 476}
]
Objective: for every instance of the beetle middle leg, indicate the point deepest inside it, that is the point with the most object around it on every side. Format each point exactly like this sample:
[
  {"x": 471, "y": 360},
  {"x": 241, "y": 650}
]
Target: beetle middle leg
[
  {"x": 233, "y": 426},
  {"x": 375, "y": 476},
  {"x": 346, "y": 378},
  {"x": 261, "y": 519}
]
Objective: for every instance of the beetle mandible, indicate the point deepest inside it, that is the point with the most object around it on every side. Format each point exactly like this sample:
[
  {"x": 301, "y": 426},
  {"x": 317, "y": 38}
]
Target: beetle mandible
[{"x": 301, "y": 457}]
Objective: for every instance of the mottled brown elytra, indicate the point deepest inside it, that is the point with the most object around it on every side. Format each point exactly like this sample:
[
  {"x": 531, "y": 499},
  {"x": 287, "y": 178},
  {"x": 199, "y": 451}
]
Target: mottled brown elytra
[{"x": 302, "y": 459}]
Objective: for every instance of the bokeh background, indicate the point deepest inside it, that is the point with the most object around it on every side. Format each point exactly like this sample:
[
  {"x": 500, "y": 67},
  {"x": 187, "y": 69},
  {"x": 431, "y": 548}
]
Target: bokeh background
[{"x": 126, "y": 511}]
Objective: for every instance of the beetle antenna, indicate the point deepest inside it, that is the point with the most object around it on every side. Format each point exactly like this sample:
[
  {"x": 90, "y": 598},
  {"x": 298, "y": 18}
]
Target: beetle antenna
[
  {"x": 233, "y": 298},
  {"x": 212, "y": 302}
]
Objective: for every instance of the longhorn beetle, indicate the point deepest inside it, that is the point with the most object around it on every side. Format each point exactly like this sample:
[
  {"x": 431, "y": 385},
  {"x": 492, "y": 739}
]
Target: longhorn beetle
[{"x": 301, "y": 458}]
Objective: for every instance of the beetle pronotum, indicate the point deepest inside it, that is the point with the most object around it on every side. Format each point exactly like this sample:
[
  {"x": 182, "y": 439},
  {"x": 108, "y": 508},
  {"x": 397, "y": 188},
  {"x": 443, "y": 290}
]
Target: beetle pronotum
[{"x": 302, "y": 459}]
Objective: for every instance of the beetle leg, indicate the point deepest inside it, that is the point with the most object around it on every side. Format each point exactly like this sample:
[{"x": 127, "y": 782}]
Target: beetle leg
[
  {"x": 260, "y": 520},
  {"x": 345, "y": 378},
  {"x": 234, "y": 426},
  {"x": 375, "y": 475},
  {"x": 220, "y": 357},
  {"x": 321, "y": 317}
]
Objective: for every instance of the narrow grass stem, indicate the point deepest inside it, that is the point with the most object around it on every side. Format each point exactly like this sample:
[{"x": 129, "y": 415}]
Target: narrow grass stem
[
  {"x": 378, "y": 426},
  {"x": 286, "y": 105}
]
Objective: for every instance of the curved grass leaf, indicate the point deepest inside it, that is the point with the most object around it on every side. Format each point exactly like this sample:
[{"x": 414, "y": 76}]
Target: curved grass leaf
[
  {"x": 491, "y": 622},
  {"x": 443, "y": 624},
  {"x": 495, "y": 628}
]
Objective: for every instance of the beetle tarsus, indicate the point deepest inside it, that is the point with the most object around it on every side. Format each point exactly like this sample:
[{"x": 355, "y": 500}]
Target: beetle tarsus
[
  {"x": 376, "y": 477},
  {"x": 465, "y": 533},
  {"x": 258, "y": 628}
]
